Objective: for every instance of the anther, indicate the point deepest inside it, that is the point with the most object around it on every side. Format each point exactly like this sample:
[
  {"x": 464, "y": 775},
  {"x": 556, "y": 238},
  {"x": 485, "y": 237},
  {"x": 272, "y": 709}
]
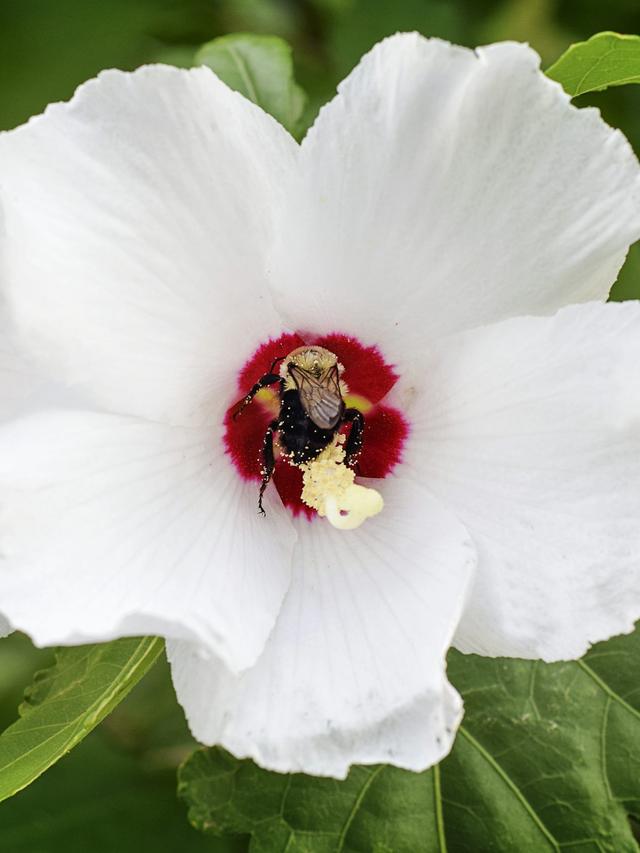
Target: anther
[{"x": 329, "y": 488}]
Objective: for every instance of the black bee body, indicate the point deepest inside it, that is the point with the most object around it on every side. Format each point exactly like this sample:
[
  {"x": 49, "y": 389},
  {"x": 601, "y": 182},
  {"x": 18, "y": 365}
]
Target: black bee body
[
  {"x": 300, "y": 438},
  {"x": 312, "y": 411}
]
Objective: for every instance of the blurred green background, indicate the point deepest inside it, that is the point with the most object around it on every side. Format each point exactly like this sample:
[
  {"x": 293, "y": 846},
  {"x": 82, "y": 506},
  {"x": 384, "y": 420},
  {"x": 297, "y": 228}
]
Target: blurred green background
[{"x": 116, "y": 792}]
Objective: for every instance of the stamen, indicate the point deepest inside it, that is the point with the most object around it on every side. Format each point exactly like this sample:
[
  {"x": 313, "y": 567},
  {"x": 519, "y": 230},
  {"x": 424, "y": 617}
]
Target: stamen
[{"x": 329, "y": 488}]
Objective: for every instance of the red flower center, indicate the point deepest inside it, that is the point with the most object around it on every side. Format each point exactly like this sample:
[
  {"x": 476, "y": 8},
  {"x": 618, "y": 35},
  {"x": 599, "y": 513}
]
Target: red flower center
[{"x": 368, "y": 379}]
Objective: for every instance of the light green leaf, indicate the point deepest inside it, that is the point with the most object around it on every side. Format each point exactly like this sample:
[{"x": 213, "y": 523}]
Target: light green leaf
[
  {"x": 66, "y": 702},
  {"x": 606, "y": 59},
  {"x": 261, "y": 68},
  {"x": 547, "y": 759},
  {"x": 116, "y": 791}
]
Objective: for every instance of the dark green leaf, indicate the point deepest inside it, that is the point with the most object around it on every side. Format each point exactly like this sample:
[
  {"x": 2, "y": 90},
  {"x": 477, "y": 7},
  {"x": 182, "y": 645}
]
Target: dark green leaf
[
  {"x": 376, "y": 808},
  {"x": 261, "y": 68},
  {"x": 101, "y": 800},
  {"x": 19, "y": 659},
  {"x": 545, "y": 753},
  {"x": 627, "y": 285},
  {"x": 66, "y": 702},
  {"x": 606, "y": 59},
  {"x": 547, "y": 759},
  {"x": 116, "y": 791}
]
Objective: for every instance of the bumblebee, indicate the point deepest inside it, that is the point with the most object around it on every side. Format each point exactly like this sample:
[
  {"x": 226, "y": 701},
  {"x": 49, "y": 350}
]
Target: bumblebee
[{"x": 312, "y": 410}]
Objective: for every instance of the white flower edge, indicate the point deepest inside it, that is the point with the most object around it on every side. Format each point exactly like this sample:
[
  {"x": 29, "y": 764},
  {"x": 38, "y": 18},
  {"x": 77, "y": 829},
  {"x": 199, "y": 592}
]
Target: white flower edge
[
  {"x": 354, "y": 671},
  {"x": 144, "y": 280},
  {"x": 542, "y": 201},
  {"x": 114, "y": 526},
  {"x": 5, "y": 627},
  {"x": 529, "y": 430},
  {"x": 450, "y": 188}
]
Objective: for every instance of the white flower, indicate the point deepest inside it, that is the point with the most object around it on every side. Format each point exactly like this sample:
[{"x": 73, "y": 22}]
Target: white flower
[
  {"x": 160, "y": 229},
  {"x": 22, "y": 389}
]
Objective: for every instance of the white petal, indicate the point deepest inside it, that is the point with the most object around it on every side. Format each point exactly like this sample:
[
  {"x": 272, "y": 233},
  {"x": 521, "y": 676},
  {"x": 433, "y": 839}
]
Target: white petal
[
  {"x": 354, "y": 670},
  {"x": 18, "y": 385},
  {"x": 136, "y": 223},
  {"x": 17, "y": 382},
  {"x": 446, "y": 188},
  {"x": 530, "y": 431},
  {"x": 23, "y": 388},
  {"x": 15, "y": 390},
  {"x": 112, "y": 526}
]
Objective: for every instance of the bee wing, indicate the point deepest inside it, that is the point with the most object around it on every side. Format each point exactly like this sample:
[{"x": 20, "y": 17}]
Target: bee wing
[{"x": 321, "y": 398}]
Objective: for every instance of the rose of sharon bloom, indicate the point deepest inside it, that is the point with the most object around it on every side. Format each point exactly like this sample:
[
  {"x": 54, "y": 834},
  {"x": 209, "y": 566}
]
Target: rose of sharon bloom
[{"x": 164, "y": 240}]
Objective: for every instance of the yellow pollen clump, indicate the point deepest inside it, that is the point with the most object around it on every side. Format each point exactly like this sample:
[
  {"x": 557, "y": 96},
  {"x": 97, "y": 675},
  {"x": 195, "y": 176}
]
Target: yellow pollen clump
[{"x": 329, "y": 488}]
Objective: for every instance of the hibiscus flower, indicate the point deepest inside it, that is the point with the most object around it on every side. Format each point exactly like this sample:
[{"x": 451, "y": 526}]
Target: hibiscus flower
[{"x": 165, "y": 241}]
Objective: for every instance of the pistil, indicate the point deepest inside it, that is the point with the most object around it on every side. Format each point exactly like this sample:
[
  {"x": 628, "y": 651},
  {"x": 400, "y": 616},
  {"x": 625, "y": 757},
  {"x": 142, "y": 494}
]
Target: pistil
[{"x": 329, "y": 488}]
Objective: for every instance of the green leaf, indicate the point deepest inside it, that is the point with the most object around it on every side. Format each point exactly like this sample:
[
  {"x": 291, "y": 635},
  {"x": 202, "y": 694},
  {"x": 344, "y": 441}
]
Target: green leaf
[
  {"x": 101, "y": 800},
  {"x": 261, "y": 68},
  {"x": 627, "y": 285},
  {"x": 606, "y": 59},
  {"x": 66, "y": 702},
  {"x": 548, "y": 755},
  {"x": 376, "y": 808},
  {"x": 547, "y": 759},
  {"x": 116, "y": 791}
]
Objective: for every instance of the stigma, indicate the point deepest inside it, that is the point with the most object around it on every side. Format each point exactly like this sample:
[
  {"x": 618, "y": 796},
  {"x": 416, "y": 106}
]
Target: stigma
[{"x": 328, "y": 487}]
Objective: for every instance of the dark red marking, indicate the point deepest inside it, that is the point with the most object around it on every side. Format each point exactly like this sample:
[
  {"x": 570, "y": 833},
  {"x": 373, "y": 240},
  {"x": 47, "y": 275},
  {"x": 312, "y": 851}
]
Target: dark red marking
[
  {"x": 263, "y": 358},
  {"x": 243, "y": 439},
  {"x": 366, "y": 374},
  {"x": 365, "y": 370},
  {"x": 288, "y": 481},
  {"x": 385, "y": 433}
]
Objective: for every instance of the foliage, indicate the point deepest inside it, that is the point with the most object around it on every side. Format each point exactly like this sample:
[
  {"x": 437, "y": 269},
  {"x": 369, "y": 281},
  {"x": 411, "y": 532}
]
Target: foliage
[
  {"x": 116, "y": 790},
  {"x": 261, "y": 68},
  {"x": 66, "y": 702},
  {"x": 547, "y": 758},
  {"x": 101, "y": 800},
  {"x": 606, "y": 59}
]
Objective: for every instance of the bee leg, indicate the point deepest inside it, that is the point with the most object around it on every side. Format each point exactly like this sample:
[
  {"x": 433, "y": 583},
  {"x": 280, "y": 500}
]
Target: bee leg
[
  {"x": 267, "y": 379},
  {"x": 356, "y": 434},
  {"x": 275, "y": 361},
  {"x": 268, "y": 462}
]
